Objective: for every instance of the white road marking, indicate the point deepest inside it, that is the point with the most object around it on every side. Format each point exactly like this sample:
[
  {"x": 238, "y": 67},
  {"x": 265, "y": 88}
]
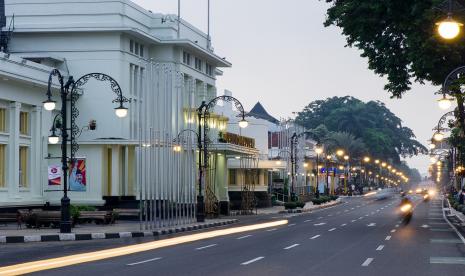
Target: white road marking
[
  {"x": 314, "y": 237},
  {"x": 269, "y": 230},
  {"x": 367, "y": 262},
  {"x": 208, "y": 246},
  {"x": 344, "y": 224},
  {"x": 332, "y": 229},
  {"x": 319, "y": 217},
  {"x": 447, "y": 260},
  {"x": 360, "y": 217},
  {"x": 371, "y": 224},
  {"x": 397, "y": 225},
  {"x": 252, "y": 261},
  {"x": 366, "y": 215},
  {"x": 143, "y": 262},
  {"x": 346, "y": 210},
  {"x": 354, "y": 220},
  {"x": 352, "y": 208},
  {"x": 244, "y": 237},
  {"x": 380, "y": 248},
  {"x": 292, "y": 224},
  {"x": 393, "y": 230},
  {"x": 388, "y": 238},
  {"x": 319, "y": 224},
  {"x": 308, "y": 220},
  {"x": 291, "y": 246}
]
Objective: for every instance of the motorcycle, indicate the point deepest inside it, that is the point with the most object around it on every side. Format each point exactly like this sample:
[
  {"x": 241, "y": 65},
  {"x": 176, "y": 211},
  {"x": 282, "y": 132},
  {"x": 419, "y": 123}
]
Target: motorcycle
[{"x": 406, "y": 210}]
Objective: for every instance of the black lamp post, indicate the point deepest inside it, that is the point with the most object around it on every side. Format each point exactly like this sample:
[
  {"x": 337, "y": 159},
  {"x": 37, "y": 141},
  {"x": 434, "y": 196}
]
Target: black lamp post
[
  {"x": 203, "y": 114},
  {"x": 68, "y": 93}
]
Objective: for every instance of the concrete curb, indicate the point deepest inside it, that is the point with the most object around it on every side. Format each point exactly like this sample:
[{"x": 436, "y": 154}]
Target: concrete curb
[
  {"x": 118, "y": 235},
  {"x": 317, "y": 207}
]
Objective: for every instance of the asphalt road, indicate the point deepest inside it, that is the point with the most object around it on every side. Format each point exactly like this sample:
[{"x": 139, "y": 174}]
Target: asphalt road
[{"x": 360, "y": 237}]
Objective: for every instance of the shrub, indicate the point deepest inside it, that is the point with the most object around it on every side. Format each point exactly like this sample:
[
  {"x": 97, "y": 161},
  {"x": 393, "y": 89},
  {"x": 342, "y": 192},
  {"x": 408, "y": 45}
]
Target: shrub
[
  {"x": 334, "y": 197},
  {"x": 290, "y": 205},
  {"x": 300, "y": 204},
  {"x": 455, "y": 205}
]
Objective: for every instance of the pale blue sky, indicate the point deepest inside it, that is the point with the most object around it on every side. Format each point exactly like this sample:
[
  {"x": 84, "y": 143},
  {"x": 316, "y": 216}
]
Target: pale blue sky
[{"x": 283, "y": 57}]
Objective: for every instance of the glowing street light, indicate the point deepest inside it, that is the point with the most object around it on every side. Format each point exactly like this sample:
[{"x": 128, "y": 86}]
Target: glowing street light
[
  {"x": 438, "y": 136},
  {"x": 444, "y": 103},
  {"x": 449, "y": 28},
  {"x": 339, "y": 152}
]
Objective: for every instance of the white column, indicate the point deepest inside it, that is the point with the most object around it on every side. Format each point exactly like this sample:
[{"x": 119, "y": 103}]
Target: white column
[
  {"x": 115, "y": 171},
  {"x": 36, "y": 152},
  {"x": 13, "y": 150}
]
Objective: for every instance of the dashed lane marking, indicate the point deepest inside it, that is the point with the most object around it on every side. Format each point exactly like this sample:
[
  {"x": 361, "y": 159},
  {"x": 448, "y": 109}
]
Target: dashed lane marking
[
  {"x": 445, "y": 241},
  {"x": 379, "y": 248},
  {"x": 332, "y": 229},
  {"x": 273, "y": 229},
  {"x": 371, "y": 224},
  {"x": 319, "y": 224},
  {"x": 252, "y": 261},
  {"x": 292, "y": 224},
  {"x": 314, "y": 237},
  {"x": 344, "y": 224},
  {"x": 308, "y": 220},
  {"x": 393, "y": 230},
  {"x": 143, "y": 262},
  {"x": 367, "y": 262},
  {"x": 244, "y": 237},
  {"x": 447, "y": 260},
  {"x": 388, "y": 238},
  {"x": 207, "y": 246},
  {"x": 291, "y": 246}
]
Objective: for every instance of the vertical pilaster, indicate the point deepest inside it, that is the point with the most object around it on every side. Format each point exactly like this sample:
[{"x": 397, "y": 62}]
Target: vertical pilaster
[
  {"x": 115, "y": 171},
  {"x": 36, "y": 152},
  {"x": 13, "y": 150}
]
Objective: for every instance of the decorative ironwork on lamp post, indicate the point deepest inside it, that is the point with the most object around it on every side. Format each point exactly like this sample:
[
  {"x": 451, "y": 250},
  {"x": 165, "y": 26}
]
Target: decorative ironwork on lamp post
[
  {"x": 203, "y": 114},
  {"x": 68, "y": 93}
]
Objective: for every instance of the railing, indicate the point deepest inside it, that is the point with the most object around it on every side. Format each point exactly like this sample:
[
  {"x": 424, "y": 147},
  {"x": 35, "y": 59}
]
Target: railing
[{"x": 235, "y": 139}]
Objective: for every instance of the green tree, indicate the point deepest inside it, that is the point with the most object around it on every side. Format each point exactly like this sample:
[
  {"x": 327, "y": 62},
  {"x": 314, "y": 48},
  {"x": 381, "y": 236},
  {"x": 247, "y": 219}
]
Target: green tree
[
  {"x": 380, "y": 130},
  {"x": 346, "y": 141}
]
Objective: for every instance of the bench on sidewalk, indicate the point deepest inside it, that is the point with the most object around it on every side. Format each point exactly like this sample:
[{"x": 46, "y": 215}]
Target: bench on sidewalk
[
  {"x": 38, "y": 219},
  {"x": 6, "y": 218},
  {"x": 99, "y": 217},
  {"x": 133, "y": 214}
]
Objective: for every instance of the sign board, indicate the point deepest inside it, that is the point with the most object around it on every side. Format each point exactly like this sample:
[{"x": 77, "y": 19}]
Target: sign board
[
  {"x": 54, "y": 175},
  {"x": 77, "y": 176}
]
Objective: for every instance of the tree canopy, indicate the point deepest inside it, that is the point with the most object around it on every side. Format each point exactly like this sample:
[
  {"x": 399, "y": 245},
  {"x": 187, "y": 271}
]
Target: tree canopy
[
  {"x": 399, "y": 39},
  {"x": 379, "y": 131}
]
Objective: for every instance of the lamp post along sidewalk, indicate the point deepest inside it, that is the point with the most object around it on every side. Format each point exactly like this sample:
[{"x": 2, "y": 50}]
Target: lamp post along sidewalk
[
  {"x": 203, "y": 113},
  {"x": 68, "y": 93}
]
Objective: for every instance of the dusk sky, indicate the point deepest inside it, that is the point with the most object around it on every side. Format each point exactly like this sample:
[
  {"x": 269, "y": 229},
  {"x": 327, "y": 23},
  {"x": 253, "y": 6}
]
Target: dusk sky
[{"x": 284, "y": 57}]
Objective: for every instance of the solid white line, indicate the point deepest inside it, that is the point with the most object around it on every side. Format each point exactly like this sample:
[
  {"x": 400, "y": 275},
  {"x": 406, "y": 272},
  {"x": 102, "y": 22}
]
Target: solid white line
[
  {"x": 314, "y": 237},
  {"x": 367, "y": 262},
  {"x": 143, "y": 262},
  {"x": 269, "y": 230},
  {"x": 332, "y": 229},
  {"x": 344, "y": 224},
  {"x": 244, "y": 237},
  {"x": 208, "y": 246},
  {"x": 252, "y": 261},
  {"x": 380, "y": 248},
  {"x": 388, "y": 238},
  {"x": 291, "y": 246}
]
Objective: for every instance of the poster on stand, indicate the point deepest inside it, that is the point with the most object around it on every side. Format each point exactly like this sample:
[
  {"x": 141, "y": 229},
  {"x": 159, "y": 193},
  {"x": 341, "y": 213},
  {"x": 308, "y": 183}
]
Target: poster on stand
[
  {"x": 54, "y": 175},
  {"x": 77, "y": 175}
]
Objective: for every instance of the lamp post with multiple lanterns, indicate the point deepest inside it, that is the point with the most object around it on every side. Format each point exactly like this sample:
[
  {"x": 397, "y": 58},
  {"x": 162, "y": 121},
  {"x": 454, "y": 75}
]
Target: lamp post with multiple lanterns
[
  {"x": 68, "y": 93},
  {"x": 203, "y": 114}
]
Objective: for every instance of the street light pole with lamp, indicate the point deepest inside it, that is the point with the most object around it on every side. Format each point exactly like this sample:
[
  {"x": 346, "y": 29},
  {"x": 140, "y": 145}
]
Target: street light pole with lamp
[
  {"x": 68, "y": 93},
  {"x": 203, "y": 113}
]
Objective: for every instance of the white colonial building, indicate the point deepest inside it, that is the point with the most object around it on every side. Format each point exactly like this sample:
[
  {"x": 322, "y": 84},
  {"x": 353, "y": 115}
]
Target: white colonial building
[{"x": 165, "y": 66}]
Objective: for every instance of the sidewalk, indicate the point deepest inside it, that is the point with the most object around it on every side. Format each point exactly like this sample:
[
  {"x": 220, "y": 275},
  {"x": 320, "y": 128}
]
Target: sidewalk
[
  {"x": 307, "y": 208},
  {"x": 123, "y": 229}
]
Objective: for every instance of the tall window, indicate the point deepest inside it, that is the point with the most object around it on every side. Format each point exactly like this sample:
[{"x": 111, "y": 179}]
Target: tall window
[
  {"x": 24, "y": 123},
  {"x": 23, "y": 156},
  {"x": 232, "y": 177},
  {"x": 2, "y": 165},
  {"x": 209, "y": 69},
  {"x": 186, "y": 58},
  {"x": 2, "y": 120},
  {"x": 198, "y": 64}
]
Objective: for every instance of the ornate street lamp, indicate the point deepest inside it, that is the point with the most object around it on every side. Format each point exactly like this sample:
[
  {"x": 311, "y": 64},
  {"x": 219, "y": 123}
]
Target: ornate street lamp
[
  {"x": 68, "y": 93},
  {"x": 449, "y": 28},
  {"x": 203, "y": 114}
]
